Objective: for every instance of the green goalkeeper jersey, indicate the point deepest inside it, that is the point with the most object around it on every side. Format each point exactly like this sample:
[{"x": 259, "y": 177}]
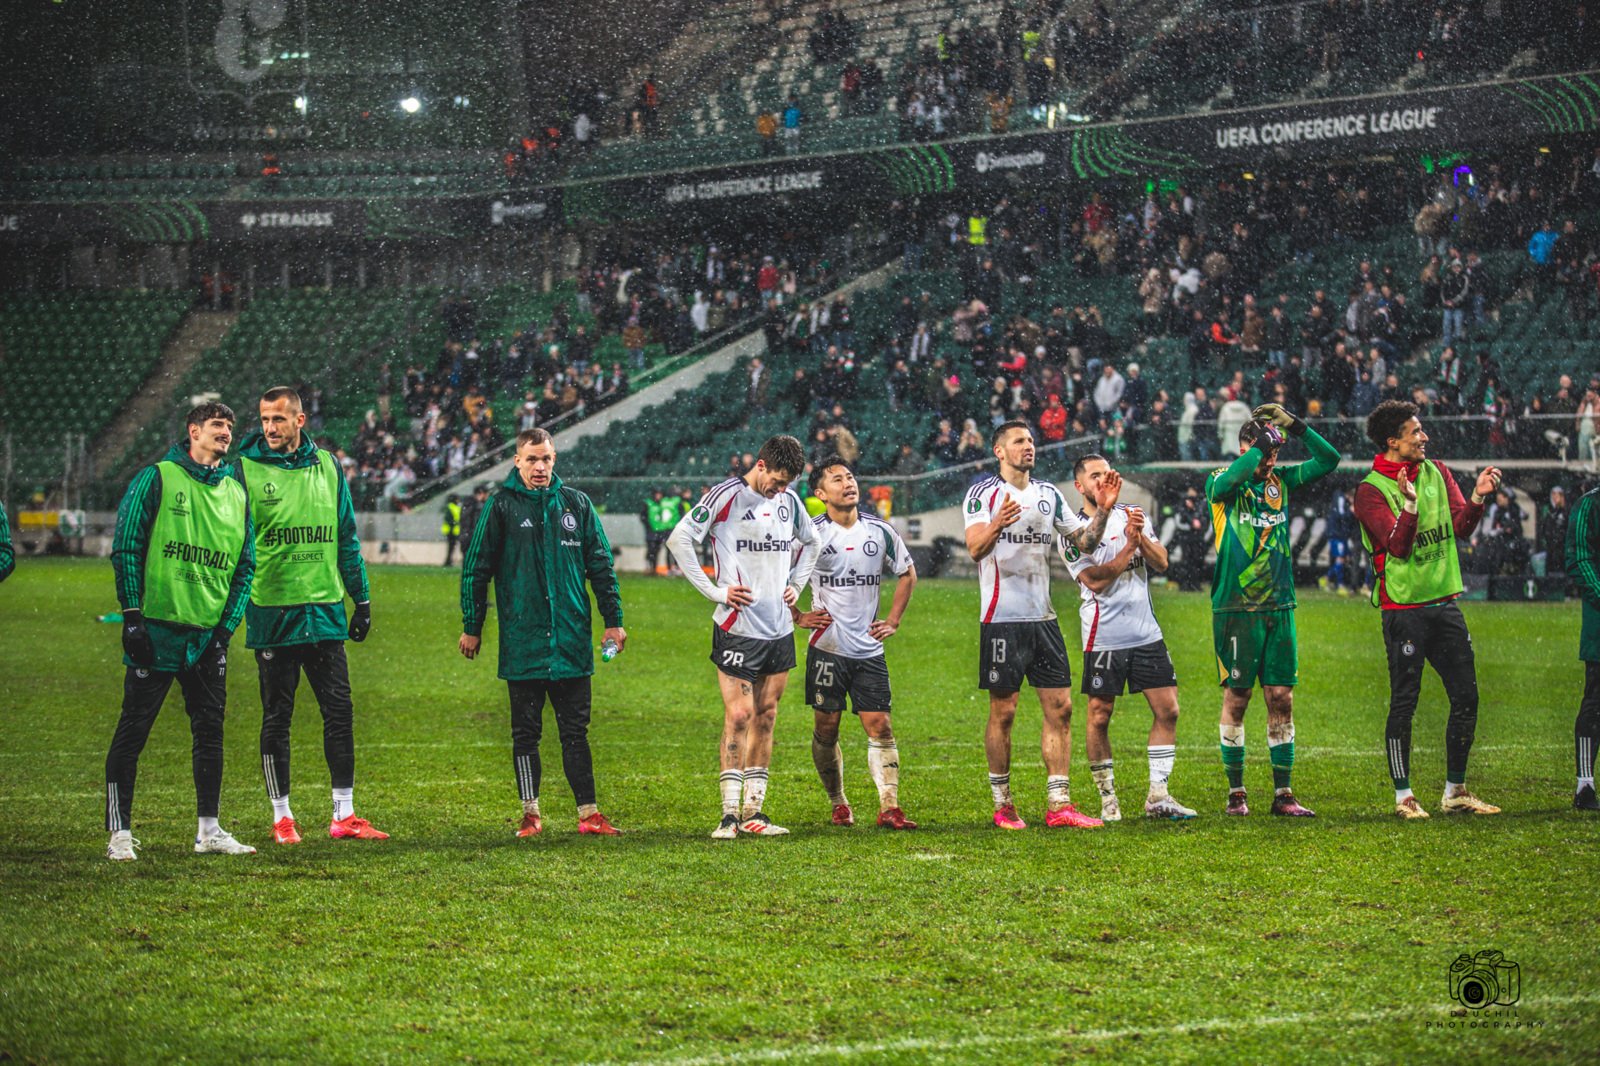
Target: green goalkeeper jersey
[{"x": 1250, "y": 526}]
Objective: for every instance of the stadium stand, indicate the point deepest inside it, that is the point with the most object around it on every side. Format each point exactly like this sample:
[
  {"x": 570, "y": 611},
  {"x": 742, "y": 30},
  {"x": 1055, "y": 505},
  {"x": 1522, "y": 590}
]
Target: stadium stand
[
  {"x": 69, "y": 362},
  {"x": 1069, "y": 62},
  {"x": 329, "y": 343},
  {"x": 1223, "y": 252}
]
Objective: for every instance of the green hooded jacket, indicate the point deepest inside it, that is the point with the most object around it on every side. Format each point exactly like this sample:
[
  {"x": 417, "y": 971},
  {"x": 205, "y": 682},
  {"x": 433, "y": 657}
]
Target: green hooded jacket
[
  {"x": 540, "y": 546},
  {"x": 1583, "y": 564},
  {"x": 306, "y": 623},
  {"x": 177, "y": 646},
  {"x": 8, "y": 558}
]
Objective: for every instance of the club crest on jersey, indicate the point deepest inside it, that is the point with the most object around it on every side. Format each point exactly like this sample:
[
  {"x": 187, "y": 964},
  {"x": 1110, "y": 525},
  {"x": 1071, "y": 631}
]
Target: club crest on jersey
[
  {"x": 1272, "y": 490},
  {"x": 870, "y": 547},
  {"x": 569, "y": 522},
  {"x": 1044, "y": 507}
]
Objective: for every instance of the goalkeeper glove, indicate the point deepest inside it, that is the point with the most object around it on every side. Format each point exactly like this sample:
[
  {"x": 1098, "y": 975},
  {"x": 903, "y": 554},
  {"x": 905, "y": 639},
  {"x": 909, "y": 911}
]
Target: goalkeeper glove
[
  {"x": 361, "y": 622},
  {"x": 1277, "y": 416},
  {"x": 1270, "y": 438},
  {"x": 136, "y": 642}
]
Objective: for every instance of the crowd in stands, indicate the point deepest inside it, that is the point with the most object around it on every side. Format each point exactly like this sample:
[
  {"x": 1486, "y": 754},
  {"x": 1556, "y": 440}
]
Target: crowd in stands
[
  {"x": 1201, "y": 262},
  {"x": 443, "y": 417},
  {"x": 972, "y": 76}
]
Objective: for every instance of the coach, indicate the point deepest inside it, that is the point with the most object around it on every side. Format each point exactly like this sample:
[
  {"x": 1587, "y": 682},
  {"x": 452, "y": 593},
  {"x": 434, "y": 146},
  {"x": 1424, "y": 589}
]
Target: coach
[
  {"x": 307, "y": 558},
  {"x": 1412, "y": 513},
  {"x": 540, "y": 541}
]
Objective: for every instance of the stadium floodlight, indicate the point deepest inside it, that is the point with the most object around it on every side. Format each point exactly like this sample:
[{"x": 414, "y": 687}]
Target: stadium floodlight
[{"x": 411, "y": 105}]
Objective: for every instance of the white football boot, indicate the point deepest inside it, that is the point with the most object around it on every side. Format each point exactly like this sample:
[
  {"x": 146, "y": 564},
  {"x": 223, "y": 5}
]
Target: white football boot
[
  {"x": 221, "y": 843},
  {"x": 121, "y": 847},
  {"x": 1168, "y": 808}
]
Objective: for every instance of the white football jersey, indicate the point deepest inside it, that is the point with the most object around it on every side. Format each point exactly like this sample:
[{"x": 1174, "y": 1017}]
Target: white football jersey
[
  {"x": 754, "y": 543},
  {"x": 851, "y": 568},
  {"x": 1014, "y": 578},
  {"x": 1121, "y": 616}
]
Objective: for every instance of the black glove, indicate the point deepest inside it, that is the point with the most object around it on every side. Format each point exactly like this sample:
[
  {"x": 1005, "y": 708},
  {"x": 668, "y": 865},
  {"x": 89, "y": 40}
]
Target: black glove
[
  {"x": 218, "y": 647},
  {"x": 136, "y": 642},
  {"x": 361, "y": 622},
  {"x": 1270, "y": 438}
]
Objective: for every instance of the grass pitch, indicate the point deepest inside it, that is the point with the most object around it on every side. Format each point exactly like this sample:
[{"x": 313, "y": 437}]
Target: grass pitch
[{"x": 1217, "y": 941}]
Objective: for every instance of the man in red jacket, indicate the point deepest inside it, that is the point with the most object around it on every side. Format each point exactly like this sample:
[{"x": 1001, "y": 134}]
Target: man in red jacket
[{"x": 1412, "y": 513}]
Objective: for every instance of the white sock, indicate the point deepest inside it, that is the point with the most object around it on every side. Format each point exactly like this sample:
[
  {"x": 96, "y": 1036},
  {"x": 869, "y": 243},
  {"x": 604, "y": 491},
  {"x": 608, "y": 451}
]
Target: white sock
[
  {"x": 829, "y": 762},
  {"x": 208, "y": 827},
  {"x": 586, "y": 810},
  {"x": 343, "y": 805},
  {"x": 1000, "y": 788},
  {"x": 1057, "y": 792},
  {"x": 1104, "y": 778},
  {"x": 732, "y": 782},
  {"x": 1583, "y": 783},
  {"x": 280, "y": 808},
  {"x": 1453, "y": 789},
  {"x": 531, "y": 806},
  {"x": 1161, "y": 757},
  {"x": 883, "y": 759},
  {"x": 755, "y": 789},
  {"x": 1401, "y": 795}
]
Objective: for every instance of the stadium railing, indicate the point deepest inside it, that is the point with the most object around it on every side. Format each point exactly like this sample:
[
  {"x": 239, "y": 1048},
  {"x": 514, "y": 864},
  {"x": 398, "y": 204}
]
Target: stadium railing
[{"x": 911, "y": 493}]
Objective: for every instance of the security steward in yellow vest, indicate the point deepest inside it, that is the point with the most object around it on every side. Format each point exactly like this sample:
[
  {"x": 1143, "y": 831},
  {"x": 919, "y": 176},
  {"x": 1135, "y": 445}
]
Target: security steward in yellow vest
[
  {"x": 307, "y": 558},
  {"x": 183, "y": 558},
  {"x": 451, "y": 526}
]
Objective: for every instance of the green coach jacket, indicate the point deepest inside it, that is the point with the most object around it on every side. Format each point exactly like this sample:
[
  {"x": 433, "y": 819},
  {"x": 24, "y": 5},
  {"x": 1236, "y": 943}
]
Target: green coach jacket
[
  {"x": 1583, "y": 563},
  {"x": 540, "y": 546},
  {"x": 8, "y": 558},
  {"x": 177, "y": 646},
  {"x": 303, "y": 623}
]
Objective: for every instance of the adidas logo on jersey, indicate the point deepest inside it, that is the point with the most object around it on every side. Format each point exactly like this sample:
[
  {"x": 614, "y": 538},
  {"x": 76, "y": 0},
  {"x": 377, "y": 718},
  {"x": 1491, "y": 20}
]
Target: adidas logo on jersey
[
  {"x": 749, "y": 516},
  {"x": 527, "y": 523},
  {"x": 830, "y": 550}
]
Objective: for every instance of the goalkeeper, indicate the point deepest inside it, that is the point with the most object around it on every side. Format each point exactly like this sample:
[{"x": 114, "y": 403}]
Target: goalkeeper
[{"x": 1252, "y": 593}]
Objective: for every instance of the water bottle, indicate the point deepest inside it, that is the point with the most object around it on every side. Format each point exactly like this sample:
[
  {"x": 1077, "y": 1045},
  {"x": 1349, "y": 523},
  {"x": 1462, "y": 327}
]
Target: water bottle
[{"x": 608, "y": 650}]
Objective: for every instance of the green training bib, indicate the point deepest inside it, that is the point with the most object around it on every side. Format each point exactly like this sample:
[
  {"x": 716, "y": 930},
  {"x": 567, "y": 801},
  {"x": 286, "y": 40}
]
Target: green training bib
[
  {"x": 1433, "y": 570},
  {"x": 297, "y": 533},
  {"x": 194, "y": 548}
]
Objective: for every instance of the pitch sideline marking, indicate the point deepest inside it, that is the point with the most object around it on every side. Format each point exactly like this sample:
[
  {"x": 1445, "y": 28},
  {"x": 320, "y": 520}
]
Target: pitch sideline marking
[{"x": 1092, "y": 1036}]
